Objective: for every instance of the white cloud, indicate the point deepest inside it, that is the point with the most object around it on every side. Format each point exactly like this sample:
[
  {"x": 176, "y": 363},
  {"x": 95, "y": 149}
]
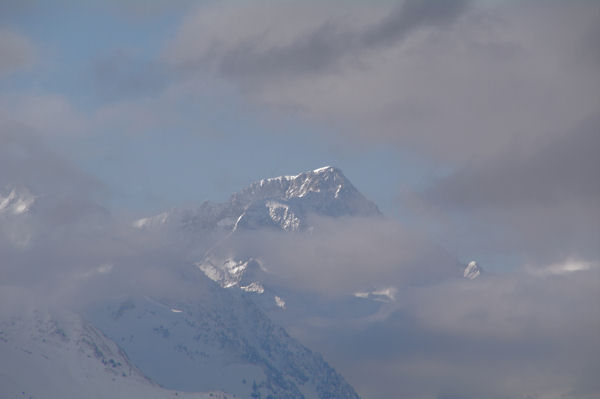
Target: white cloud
[{"x": 568, "y": 266}]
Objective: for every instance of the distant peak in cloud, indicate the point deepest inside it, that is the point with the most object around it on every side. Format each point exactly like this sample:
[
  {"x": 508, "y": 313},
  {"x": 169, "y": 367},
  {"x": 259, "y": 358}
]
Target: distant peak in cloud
[{"x": 472, "y": 270}]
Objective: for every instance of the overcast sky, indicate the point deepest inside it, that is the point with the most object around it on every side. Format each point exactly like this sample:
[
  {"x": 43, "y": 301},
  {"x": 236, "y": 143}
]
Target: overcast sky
[{"x": 476, "y": 123}]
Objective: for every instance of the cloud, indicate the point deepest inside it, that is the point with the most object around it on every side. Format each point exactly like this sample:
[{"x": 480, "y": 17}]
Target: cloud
[
  {"x": 543, "y": 197},
  {"x": 512, "y": 336},
  {"x": 66, "y": 248},
  {"x": 409, "y": 16},
  {"x": 269, "y": 45},
  {"x": 450, "y": 80},
  {"x": 542, "y": 172},
  {"x": 328, "y": 44},
  {"x": 502, "y": 96},
  {"x": 16, "y": 52},
  {"x": 437, "y": 336},
  {"x": 27, "y": 162},
  {"x": 348, "y": 255}
]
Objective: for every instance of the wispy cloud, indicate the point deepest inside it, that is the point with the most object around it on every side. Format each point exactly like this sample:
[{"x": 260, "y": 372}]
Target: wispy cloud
[{"x": 16, "y": 52}]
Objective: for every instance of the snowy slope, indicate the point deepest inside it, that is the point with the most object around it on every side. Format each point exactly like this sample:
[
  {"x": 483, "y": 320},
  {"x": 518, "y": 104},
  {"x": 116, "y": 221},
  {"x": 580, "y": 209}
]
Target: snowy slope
[
  {"x": 217, "y": 340},
  {"x": 60, "y": 356}
]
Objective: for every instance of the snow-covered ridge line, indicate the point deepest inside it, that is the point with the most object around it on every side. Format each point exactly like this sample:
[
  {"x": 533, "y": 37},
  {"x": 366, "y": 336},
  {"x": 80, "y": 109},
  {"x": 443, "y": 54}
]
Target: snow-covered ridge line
[
  {"x": 293, "y": 177},
  {"x": 324, "y": 168},
  {"x": 279, "y": 202}
]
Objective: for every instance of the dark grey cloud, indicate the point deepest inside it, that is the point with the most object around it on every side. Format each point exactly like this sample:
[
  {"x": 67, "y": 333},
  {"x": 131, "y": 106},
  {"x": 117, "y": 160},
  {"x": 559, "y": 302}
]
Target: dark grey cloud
[
  {"x": 447, "y": 80},
  {"x": 544, "y": 196},
  {"x": 538, "y": 173},
  {"x": 409, "y": 16},
  {"x": 326, "y": 46}
]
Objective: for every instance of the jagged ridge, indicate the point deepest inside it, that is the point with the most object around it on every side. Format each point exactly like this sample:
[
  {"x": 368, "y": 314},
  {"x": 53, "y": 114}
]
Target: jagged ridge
[{"x": 281, "y": 202}]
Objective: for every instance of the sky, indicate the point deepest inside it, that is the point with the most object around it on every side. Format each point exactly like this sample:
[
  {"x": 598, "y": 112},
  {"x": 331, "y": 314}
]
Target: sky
[
  {"x": 457, "y": 116},
  {"x": 475, "y": 123}
]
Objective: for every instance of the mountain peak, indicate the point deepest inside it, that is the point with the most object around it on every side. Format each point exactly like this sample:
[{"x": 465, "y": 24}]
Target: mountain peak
[
  {"x": 282, "y": 202},
  {"x": 326, "y": 182},
  {"x": 472, "y": 271},
  {"x": 296, "y": 186}
]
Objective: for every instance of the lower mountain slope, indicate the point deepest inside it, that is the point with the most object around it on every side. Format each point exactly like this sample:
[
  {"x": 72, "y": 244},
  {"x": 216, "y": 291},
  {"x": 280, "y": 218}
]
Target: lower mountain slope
[
  {"x": 58, "y": 355},
  {"x": 218, "y": 340}
]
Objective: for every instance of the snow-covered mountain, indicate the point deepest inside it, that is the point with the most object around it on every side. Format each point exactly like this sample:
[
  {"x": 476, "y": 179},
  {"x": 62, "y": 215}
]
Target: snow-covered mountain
[
  {"x": 211, "y": 329},
  {"x": 58, "y": 355},
  {"x": 196, "y": 340},
  {"x": 282, "y": 203},
  {"x": 194, "y": 337},
  {"x": 215, "y": 340},
  {"x": 472, "y": 271}
]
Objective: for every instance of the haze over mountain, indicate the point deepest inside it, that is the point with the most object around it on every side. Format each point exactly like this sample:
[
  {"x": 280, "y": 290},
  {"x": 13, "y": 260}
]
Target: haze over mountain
[
  {"x": 191, "y": 303},
  {"x": 197, "y": 336},
  {"x": 194, "y": 337},
  {"x": 472, "y": 125},
  {"x": 282, "y": 202}
]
